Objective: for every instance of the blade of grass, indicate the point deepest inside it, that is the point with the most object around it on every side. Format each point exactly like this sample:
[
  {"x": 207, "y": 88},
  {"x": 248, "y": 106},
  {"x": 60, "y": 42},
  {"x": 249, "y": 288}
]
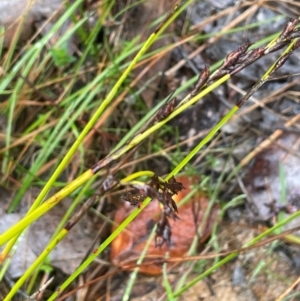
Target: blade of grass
[
  {"x": 97, "y": 114},
  {"x": 35, "y": 50},
  {"x": 174, "y": 172},
  {"x": 99, "y": 111},
  {"x": 56, "y": 239},
  {"x": 30, "y": 217},
  {"x": 133, "y": 275},
  {"x": 78, "y": 98},
  {"x": 137, "y": 140},
  {"x": 235, "y": 254},
  {"x": 166, "y": 282},
  {"x": 262, "y": 235}
]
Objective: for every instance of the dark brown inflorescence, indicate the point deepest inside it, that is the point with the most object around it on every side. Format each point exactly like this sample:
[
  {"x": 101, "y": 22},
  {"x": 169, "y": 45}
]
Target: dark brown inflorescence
[
  {"x": 242, "y": 57},
  {"x": 162, "y": 192},
  {"x": 166, "y": 110}
]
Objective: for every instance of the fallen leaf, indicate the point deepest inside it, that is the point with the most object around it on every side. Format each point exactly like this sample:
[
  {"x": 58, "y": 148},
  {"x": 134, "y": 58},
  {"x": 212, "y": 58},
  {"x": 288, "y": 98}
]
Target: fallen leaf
[{"x": 131, "y": 242}]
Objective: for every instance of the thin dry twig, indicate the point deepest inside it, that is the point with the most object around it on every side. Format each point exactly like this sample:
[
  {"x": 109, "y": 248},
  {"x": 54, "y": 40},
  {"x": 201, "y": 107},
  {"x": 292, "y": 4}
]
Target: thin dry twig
[{"x": 288, "y": 290}]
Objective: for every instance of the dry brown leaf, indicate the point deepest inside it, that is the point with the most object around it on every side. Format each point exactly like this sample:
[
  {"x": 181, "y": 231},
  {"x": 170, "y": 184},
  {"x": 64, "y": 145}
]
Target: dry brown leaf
[{"x": 131, "y": 242}]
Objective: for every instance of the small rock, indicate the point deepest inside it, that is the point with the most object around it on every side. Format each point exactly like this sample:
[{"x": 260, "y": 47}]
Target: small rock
[{"x": 12, "y": 12}]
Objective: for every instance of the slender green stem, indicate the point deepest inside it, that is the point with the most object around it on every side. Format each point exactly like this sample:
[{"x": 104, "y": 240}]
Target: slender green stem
[
  {"x": 132, "y": 278},
  {"x": 207, "y": 138},
  {"x": 32, "y": 267},
  {"x": 100, "y": 249},
  {"x": 234, "y": 254},
  {"x": 45, "y": 207},
  {"x": 89, "y": 125},
  {"x": 58, "y": 237}
]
